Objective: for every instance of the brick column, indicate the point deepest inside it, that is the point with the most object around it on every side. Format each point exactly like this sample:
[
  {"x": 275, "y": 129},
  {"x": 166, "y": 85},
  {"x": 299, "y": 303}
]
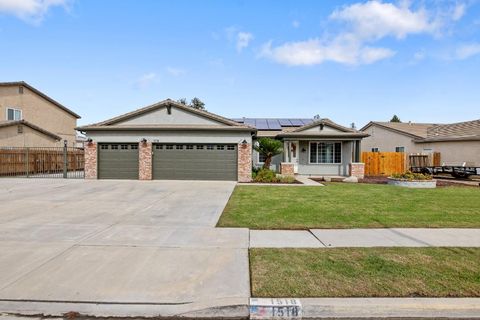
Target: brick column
[
  {"x": 244, "y": 162},
  {"x": 357, "y": 169},
  {"x": 287, "y": 169},
  {"x": 90, "y": 160},
  {"x": 145, "y": 161}
]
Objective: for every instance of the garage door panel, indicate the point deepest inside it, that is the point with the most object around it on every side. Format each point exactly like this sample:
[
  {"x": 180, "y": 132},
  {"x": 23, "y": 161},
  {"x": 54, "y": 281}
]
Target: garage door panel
[
  {"x": 118, "y": 161},
  {"x": 195, "y": 162}
]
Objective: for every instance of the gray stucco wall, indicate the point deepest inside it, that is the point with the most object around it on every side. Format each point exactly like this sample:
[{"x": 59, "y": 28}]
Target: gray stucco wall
[
  {"x": 386, "y": 141},
  {"x": 171, "y": 136},
  {"x": 304, "y": 167},
  {"x": 455, "y": 152},
  {"x": 177, "y": 116}
]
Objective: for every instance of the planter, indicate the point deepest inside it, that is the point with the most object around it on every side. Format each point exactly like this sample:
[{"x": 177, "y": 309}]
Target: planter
[{"x": 419, "y": 184}]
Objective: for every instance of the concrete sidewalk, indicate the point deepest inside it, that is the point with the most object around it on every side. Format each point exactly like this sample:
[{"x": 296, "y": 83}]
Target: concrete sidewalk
[{"x": 394, "y": 237}]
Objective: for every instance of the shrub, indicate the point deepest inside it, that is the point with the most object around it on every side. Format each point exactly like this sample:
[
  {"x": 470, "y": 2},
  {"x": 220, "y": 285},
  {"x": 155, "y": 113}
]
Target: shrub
[
  {"x": 409, "y": 176},
  {"x": 265, "y": 175}
]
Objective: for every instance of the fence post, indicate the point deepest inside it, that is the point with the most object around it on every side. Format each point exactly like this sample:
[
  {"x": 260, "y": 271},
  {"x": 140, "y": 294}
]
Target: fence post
[
  {"x": 27, "y": 162},
  {"x": 65, "y": 160}
]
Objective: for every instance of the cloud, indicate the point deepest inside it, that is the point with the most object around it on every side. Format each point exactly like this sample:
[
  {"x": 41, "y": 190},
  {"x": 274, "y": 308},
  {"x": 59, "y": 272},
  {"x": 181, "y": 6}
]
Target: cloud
[
  {"x": 243, "y": 40},
  {"x": 459, "y": 11},
  {"x": 467, "y": 50},
  {"x": 176, "y": 72},
  {"x": 145, "y": 80},
  {"x": 360, "y": 26},
  {"x": 314, "y": 51},
  {"x": 30, "y": 10}
]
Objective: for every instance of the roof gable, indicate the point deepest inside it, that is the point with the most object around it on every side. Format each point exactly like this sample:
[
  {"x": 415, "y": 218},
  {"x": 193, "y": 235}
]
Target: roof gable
[
  {"x": 324, "y": 125},
  {"x": 4, "y": 124},
  {"x": 168, "y": 113},
  {"x": 415, "y": 130},
  {"x": 40, "y": 94}
]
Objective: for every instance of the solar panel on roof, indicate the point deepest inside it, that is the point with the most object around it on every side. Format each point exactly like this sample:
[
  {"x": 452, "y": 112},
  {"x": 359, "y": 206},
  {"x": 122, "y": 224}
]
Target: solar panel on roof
[
  {"x": 296, "y": 122},
  {"x": 274, "y": 124},
  {"x": 250, "y": 122},
  {"x": 262, "y": 124},
  {"x": 306, "y": 121},
  {"x": 285, "y": 122}
]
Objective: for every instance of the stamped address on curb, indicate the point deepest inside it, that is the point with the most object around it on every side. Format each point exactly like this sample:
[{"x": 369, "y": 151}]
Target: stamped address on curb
[{"x": 275, "y": 308}]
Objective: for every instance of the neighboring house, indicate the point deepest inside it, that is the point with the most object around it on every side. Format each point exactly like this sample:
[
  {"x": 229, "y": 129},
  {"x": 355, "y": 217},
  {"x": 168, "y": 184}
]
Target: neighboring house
[
  {"x": 314, "y": 147},
  {"x": 457, "y": 143},
  {"x": 168, "y": 140},
  {"x": 30, "y": 118}
]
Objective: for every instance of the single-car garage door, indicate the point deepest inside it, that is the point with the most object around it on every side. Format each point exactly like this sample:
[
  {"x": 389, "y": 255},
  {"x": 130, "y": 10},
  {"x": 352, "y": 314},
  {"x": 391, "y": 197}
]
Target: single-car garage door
[
  {"x": 195, "y": 161},
  {"x": 118, "y": 161}
]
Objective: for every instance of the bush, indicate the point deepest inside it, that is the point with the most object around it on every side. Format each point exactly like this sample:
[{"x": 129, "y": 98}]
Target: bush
[
  {"x": 410, "y": 176},
  {"x": 265, "y": 175}
]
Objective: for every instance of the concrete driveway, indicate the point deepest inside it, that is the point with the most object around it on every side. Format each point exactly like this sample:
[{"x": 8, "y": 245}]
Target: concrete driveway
[{"x": 120, "y": 248}]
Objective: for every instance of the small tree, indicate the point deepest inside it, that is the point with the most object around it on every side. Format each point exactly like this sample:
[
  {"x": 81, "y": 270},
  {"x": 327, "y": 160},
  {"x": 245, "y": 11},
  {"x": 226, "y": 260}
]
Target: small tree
[
  {"x": 182, "y": 101},
  {"x": 395, "y": 118},
  {"x": 197, "y": 104},
  {"x": 269, "y": 148}
]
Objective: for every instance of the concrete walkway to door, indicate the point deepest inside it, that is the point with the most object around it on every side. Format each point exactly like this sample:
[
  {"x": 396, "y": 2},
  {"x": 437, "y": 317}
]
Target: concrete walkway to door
[{"x": 120, "y": 248}]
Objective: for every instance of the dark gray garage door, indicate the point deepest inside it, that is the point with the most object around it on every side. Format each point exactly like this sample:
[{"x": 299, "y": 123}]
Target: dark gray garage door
[
  {"x": 195, "y": 161},
  {"x": 118, "y": 161}
]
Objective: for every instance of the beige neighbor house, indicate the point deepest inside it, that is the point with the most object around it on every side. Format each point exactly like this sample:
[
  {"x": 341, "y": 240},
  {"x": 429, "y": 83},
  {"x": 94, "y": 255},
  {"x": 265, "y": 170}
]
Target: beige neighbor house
[
  {"x": 30, "y": 118},
  {"x": 457, "y": 143}
]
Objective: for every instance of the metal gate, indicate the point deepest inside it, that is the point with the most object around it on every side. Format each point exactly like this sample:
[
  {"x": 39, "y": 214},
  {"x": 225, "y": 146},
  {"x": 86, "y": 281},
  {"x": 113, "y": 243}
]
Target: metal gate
[
  {"x": 195, "y": 161},
  {"x": 42, "y": 162}
]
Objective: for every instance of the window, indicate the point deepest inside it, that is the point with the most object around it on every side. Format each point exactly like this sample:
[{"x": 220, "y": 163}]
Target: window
[
  {"x": 114, "y": 146},
  {"x": 104, "y": 146},
  {"x": 374, "y": 149},
  {"x": 399, "y": 149},
  {"x": 199, "y": 147},
  {"x": 230, "y": 147},
  {"x": 169, "y": 147},
  {"x": 189, "y": 146},
  {"x": 124, "y": 146},
  {"x": 219, "y": 147},
  {"x": 159, "y": 146},
  {"x": 179, "y": 147},
  {"x": 210, "y": 147},
  {"x": 14, "y": 114},
  {"x": 261, "y": 158},
  {"x": 134, "y": 146},
  {"x": 325, "y": 152}
]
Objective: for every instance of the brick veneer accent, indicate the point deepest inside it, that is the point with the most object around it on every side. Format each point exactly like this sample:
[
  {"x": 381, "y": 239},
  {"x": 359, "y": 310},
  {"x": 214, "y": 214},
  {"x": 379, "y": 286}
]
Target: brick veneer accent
[
  {"x": 357, "y": 169},
  {"x": 244, "y": 162},
  {"x": 91, "y": 160},
  {"x": 145, "y": 161},
  {"x": 286, "y": 169}
]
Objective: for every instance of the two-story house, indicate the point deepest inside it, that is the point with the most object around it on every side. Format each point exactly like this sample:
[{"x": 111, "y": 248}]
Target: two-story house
[{"x": 30, "y": 118}]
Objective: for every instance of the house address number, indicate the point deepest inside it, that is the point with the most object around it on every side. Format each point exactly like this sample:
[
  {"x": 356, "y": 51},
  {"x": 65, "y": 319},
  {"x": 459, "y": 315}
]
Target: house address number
[{"x": 285, "y": 308}]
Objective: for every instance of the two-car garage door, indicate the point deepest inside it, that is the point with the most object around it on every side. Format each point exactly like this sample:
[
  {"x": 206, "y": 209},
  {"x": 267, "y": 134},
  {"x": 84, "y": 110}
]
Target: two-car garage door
[{"x": 170, "y": 161}]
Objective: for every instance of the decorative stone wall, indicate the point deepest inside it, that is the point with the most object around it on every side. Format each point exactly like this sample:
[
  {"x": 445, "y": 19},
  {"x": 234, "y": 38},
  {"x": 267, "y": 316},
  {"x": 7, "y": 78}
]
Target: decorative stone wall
[
  {"x": 145, "y": 161},
  {"x": 357, "y": 169},
  {"x": 90, "y": 160},
  {"x": 244, "y": 162},
  {"x": 286, "y": 169}
]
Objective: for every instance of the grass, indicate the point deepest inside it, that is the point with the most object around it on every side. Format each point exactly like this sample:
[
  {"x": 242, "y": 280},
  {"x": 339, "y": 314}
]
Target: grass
[
  {"x": 365, "y": 272},
  {"x": 340, "y": 205}
]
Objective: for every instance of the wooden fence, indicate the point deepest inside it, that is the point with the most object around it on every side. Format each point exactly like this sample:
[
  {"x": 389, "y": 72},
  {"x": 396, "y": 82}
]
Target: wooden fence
[
  {"x": 41, "y": 161},
  {"x": 383, "y": 163},
  {"x": 387, "y": 163}
]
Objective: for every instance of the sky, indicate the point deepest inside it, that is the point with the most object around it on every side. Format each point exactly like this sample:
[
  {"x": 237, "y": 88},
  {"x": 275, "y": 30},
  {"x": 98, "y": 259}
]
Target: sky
[{"x": 350, "y": 61}]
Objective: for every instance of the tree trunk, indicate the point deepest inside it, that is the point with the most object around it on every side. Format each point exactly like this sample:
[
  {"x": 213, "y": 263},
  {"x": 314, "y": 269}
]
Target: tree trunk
[{"x": 268, "y": 160}]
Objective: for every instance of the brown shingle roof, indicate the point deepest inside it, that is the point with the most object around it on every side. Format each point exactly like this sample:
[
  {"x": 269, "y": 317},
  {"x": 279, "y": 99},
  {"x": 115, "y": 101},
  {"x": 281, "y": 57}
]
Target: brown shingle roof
[
  {"x": 417, "y": 130},
  {"x": 41, "y": 94},
  {"x": 467, "y": 130}
]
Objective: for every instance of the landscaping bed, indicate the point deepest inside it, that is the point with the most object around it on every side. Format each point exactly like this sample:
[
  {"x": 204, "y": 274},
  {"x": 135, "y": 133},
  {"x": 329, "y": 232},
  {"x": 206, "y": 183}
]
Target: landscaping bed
[
  {"x": 365, "y": 272},
  {"x": 341, "y": 205}
]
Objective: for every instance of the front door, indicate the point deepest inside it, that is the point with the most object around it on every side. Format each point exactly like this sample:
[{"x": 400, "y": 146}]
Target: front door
[{"x": 294, "y": 155}]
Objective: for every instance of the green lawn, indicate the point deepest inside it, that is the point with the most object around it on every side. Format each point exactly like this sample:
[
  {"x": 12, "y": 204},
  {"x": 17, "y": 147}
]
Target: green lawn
[
  {"x": 365, "y": 272},
  {"x": 341, "y": 205}
]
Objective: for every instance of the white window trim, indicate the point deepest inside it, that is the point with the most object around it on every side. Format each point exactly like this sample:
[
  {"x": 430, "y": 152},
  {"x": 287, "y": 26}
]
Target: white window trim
[
  {"x": 14, "y": 109},
  {"x": 399, "y": 147},
  {"x": 258, "y": 158},
  {"x": 327, "y": 163}
]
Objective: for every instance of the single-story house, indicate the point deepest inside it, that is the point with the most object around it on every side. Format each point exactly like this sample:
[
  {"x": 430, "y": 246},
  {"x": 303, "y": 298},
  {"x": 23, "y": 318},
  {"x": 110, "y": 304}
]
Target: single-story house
[
  {"x": 313, "y": 146},
  {"x": 169, "y": 140},
  {"x": 457, "y": 143}
]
